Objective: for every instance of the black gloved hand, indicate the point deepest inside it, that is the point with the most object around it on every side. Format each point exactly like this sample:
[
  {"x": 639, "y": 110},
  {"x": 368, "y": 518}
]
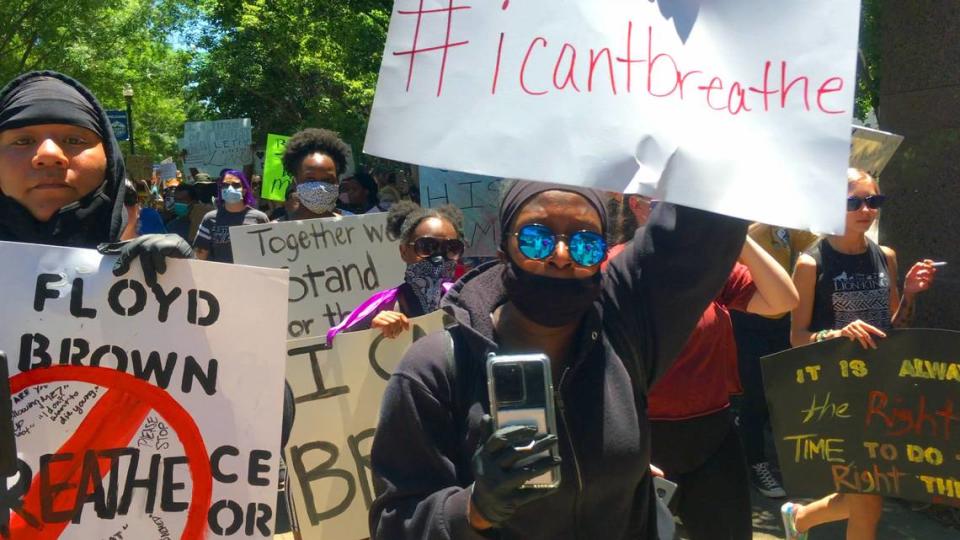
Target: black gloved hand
[
  {"x": 496, "y": 491},
  {"x": 153, "y": 249}
]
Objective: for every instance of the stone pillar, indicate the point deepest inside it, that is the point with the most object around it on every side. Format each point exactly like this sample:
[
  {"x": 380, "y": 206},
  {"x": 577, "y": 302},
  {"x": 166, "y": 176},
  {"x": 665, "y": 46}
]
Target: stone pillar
[{"x": 920, "y": 99}]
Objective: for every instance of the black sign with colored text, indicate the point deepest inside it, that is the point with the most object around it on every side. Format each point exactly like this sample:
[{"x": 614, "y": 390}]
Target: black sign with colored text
[{"x": 884, "y": 421}]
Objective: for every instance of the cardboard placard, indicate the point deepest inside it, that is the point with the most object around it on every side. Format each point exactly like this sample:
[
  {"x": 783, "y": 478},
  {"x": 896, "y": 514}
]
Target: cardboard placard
[
  {"x": 872, "y": 149},
  {"x": 335, "y": 264},
  {"x": 699, "y": 103},
  {"x": 479, "y": 199},
  {"x": 883, "y": 421},
  {"x": 216, "y": 145},
  {"x": 275, "y": 178},
  {"x": 338, "y": 393},
  {"x": 142, "y": 412}
]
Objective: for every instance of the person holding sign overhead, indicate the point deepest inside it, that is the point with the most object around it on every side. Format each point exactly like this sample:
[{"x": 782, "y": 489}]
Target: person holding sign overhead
[
  {"x": 315, "y": 158},
  {"x": 848, "y": 289},
  {"x": 444, "y": 472},
  {"x": 431, "y": 243},
  {"x": 234, "y": 207}
]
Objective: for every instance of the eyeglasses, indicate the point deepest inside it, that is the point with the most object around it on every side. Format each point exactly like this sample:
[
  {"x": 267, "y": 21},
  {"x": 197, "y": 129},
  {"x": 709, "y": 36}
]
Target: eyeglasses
[
  {"x": 537, "y": 242},
  {"x": 873, "y": 202},
  {"x": 428, "y": 246}
]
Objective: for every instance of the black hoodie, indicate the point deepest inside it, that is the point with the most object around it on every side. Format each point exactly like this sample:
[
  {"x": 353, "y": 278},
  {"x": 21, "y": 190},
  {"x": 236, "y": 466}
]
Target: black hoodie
[
  {"x": 430, "y": 420},
  {"x": 95, "y": 218}
]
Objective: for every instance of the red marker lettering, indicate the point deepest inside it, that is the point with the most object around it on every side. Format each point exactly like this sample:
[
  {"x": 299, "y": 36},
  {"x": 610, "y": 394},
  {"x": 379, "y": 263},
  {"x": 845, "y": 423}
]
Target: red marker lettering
[
  {"x": 571, "y": 73},
  {"x": 651, "y": 65},
  {"x": 594, "y": 58},
  {"x": 836, "y": 86},
  {"x": 523, "y": 67},
  {"x": 785, "y": 88}
]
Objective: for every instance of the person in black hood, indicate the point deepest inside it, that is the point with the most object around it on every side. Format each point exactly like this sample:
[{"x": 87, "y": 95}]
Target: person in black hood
[
  {"x": 62, "y": 174},
  {"x": 441, "y": 473}
]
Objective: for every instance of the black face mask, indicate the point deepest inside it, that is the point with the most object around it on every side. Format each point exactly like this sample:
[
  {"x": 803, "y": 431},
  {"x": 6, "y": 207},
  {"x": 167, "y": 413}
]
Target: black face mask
[{"x": 548, "y": 301}]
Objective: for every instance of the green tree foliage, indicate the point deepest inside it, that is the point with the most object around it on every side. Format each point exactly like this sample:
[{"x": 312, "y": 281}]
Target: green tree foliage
[
  {"x": 286, "y": 64},
  {"x": 289, "y": 64},
  {"x": 868, "y": 60},
  {"x": 106, "y": 44}
]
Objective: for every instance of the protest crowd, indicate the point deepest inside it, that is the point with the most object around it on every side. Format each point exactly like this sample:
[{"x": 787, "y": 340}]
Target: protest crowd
[{"x": 647, "y": 321}]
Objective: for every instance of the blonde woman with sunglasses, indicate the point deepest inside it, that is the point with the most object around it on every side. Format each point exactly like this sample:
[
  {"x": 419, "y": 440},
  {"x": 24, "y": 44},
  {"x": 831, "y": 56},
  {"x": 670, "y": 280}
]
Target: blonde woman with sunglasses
[{"x": 848, "y": 289}]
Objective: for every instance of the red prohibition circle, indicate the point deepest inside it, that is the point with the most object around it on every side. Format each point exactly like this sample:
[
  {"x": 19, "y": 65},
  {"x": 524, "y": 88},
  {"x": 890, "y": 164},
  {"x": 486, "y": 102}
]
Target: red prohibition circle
[{"x": 160, "y": 401}]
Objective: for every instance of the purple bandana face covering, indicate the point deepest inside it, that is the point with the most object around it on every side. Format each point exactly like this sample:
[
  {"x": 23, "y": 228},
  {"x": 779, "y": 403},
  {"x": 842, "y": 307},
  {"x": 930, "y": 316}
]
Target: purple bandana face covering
[{"x": 427, "y": 278}]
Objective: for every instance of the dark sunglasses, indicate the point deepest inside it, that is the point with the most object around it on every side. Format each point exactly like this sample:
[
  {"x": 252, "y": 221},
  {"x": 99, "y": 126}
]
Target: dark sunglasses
[
  {"x": 428, "y": 247},
  {"x": 537, "y": 242},
  {"x": 873, "y": 202}
]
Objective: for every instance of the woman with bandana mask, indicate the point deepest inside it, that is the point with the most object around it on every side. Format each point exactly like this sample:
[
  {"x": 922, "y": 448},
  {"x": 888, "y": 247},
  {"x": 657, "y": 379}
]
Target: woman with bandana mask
[
  {"x": 431, "y": 243},
  {"x": 609, "y": 335},
  {"x": 316, "y": 158},
  {"x": 234, "y": 207}
]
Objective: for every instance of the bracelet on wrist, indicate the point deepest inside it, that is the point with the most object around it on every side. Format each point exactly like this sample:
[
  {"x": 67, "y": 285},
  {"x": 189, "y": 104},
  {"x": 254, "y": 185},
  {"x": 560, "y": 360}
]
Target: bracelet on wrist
[{"x": 821, "y": 336}]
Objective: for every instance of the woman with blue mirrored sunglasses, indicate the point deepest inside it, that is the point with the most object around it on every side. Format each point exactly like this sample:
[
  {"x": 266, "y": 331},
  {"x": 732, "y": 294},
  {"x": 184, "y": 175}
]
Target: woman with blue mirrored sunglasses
[
  {"x": 608, "y": 335},
  {"x": 586, "y": 248}
]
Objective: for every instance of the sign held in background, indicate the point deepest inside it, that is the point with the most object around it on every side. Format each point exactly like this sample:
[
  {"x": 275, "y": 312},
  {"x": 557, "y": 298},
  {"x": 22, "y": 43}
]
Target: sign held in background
[
  {"x": 275, "y": 178},
  {"x": 216, "y": 145},
  {"x": 335, "y": 264},
  {"x": 885, "y": 421},
  {"x": 338, "y": 393},
  {"x": 477, "y": 196},
  {"x": 871, "y": 149}
]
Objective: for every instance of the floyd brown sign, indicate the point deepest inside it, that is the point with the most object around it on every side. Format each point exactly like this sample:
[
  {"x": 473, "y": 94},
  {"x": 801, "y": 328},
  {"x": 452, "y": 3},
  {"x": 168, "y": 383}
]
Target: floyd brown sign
[{"x": 884, "y": 421}]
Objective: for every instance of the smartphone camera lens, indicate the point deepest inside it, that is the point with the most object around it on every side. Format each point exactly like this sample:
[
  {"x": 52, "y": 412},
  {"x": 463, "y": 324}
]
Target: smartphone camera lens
[{"x": 509, "y": 383}]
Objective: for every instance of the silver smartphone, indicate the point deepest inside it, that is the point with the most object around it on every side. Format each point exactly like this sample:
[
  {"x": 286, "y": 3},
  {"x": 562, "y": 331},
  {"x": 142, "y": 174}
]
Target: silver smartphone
[{"x": 521, "y": 394}]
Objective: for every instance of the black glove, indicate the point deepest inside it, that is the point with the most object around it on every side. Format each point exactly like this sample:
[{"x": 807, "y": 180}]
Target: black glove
[
  {"x": 496, "y": 491},
  {"x": 153, "y": 249}
]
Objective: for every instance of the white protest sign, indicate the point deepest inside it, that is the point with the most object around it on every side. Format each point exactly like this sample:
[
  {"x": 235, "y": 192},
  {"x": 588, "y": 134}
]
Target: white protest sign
[
  {"x": 871, "y": 149},
  {"x": 142, "y": 412},
  {"x": 477, "y": 196},
  {"x": 167, "y": 171},
  {"x": 217, "y": 145},
  {"x": 338, "y": 393},
  {"x": 727, "y": 105},
  {"x": 335, "y": 264}
]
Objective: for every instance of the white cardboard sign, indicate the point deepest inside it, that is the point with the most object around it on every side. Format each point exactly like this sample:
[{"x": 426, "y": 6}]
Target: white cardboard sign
[
  {"x": 142, "y": 412},
  {"x": 335, "y": 264},
  {"x": 727, "y": 105},
  {"x": 338, "y": 393},
  {"x": 216, "y": 145}
]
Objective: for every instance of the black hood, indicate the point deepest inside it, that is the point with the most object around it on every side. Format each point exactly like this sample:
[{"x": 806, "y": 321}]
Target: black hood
[
  {"x": 471, "y": 301},
  {"x": 95, "y": 218}
]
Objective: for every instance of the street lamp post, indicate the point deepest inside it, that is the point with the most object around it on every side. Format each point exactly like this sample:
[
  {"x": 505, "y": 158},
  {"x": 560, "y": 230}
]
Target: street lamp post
[{"x": 128, "y": 97}]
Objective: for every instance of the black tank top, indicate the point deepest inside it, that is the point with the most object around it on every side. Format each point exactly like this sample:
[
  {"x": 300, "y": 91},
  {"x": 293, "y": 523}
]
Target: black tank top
[{"x": 850, "y": 287}]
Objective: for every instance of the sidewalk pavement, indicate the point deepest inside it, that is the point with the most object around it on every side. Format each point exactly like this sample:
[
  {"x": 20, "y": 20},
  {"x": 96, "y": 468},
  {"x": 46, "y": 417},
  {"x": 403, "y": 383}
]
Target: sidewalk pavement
[{"x": 898, "y": 523}]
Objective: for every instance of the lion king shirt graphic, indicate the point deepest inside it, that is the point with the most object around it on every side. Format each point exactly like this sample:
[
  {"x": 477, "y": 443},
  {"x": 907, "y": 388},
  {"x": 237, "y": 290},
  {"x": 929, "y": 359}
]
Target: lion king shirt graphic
[{"x": 850, "y": 287}]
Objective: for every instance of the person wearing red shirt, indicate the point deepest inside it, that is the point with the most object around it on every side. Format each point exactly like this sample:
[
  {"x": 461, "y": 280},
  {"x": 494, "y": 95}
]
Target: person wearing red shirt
[{"x": 693, "y": 438}]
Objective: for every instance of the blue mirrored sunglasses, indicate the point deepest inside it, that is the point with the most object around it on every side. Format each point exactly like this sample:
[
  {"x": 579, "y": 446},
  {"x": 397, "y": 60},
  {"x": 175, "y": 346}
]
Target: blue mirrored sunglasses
[{"x": 586, "y": 248}]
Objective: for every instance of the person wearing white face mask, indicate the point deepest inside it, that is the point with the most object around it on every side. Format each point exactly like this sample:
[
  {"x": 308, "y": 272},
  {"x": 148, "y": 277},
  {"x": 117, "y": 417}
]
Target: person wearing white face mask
[
  {"x": 234, "y": 207},
  {"x": 315, "y": 158}
]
